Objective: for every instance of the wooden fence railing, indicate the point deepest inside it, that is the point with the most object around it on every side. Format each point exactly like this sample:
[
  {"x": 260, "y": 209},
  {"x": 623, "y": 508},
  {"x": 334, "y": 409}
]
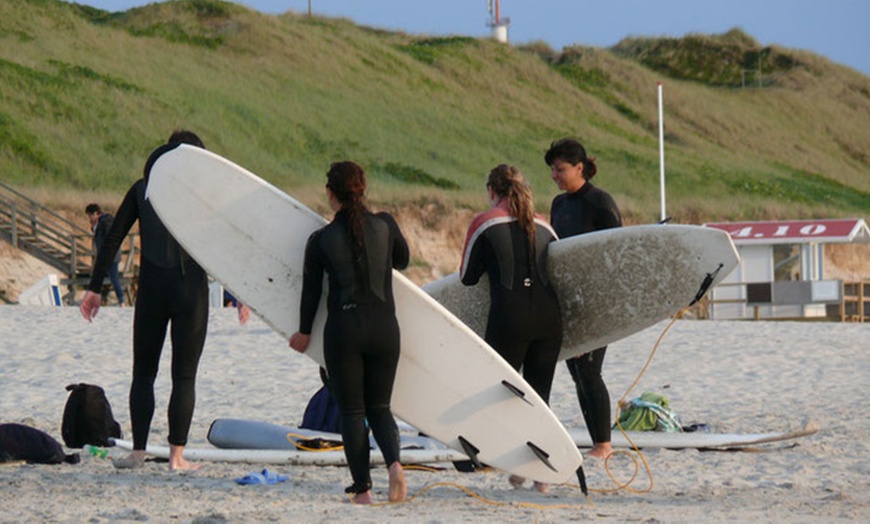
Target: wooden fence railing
[{"x": 56, "y": 241}]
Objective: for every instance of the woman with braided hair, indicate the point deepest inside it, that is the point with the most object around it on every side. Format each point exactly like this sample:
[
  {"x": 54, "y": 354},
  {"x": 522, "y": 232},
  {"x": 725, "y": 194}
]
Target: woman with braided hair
[
  {"x": 357, "y": 251},
  {"x": 509, "y": 243}
]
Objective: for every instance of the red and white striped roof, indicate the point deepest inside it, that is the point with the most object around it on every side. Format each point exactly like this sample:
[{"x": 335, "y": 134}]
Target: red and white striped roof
[{"x": 845, "y": 230}]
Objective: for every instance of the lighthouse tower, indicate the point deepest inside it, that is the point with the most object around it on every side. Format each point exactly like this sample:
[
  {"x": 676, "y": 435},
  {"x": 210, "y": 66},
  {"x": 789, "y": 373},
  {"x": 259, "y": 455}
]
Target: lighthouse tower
[{"x": 498, "y": 24}]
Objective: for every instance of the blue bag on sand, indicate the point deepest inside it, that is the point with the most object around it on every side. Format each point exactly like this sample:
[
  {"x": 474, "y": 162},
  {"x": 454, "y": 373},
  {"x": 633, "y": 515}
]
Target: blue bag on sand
[{"x": 322, "y": 413}]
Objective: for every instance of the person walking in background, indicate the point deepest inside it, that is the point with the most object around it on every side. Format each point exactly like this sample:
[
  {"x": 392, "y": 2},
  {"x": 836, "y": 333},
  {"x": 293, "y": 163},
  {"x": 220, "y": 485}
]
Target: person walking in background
[
  {"x": 583, "y": 208},
  {"x": 173, "y": 288},
  {"x": 100, "y": 225},
  {"x": 509, "y": 244},
  {"x": 357, "y": 251}
]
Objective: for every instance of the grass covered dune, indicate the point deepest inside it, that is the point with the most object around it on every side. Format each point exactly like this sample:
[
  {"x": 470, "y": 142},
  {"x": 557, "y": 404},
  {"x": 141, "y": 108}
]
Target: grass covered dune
[{"x": 85, "y": 94}]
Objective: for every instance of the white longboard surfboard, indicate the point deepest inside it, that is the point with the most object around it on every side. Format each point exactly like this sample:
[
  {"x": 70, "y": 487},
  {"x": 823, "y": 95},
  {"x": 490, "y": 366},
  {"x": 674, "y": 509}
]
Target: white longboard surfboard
[
  {"x": 450, "y": 384},
  {"x": 694, "y": 439},
  {"x": 293, "y": 457},
  {"x": 613, "y": 283}
]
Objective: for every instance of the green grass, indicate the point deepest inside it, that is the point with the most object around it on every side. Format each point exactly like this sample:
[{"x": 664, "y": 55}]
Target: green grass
[
  {"x": 730, "y": 59},
  {"x": 86, "y": 94}
]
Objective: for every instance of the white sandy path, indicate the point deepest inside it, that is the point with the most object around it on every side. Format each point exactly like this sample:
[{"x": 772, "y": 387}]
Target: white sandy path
[{"x": 735, "y": 376}]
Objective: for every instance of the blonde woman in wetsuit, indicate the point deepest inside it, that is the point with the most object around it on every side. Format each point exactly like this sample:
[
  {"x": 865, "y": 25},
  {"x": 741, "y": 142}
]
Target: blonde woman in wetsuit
[{"x": 509, "y": 243}]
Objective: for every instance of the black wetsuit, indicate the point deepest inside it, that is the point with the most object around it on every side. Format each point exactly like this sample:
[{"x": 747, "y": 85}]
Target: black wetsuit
[
  {"x": 524, "y": 324},
  {"x": 172, "y": 287},
  {"x": 583, "y": 211},
  {"x": 361, "y": 336}
]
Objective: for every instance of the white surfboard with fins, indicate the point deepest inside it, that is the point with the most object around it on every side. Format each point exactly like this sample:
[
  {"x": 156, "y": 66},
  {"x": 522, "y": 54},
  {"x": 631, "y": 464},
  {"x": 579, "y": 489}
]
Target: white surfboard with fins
[{"x": 251, "y": 237}]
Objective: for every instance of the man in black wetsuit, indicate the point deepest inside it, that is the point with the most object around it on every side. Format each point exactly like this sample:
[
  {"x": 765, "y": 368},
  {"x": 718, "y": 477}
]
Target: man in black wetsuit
[
  {"x": 172, "y": 288},
  {"x": 584, "y": 208},
  {"x": 357, "y": 251}
]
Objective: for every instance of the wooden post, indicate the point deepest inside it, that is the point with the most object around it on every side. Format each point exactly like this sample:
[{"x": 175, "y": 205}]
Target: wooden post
[
  {"x": 842, "y": 301},
  {"x": 14, "y": 226},
  {"x": 72, "y": 256},
  {"x": 861, "y": 301}
]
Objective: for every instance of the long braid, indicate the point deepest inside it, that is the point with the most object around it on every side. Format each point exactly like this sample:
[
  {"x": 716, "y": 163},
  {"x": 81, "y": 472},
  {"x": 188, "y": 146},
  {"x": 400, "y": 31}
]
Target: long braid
[{"x": 347, "y": 181}]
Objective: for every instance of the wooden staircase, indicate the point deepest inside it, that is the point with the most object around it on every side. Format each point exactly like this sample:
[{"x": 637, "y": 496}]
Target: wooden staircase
[{"x": 54, "y": 240}]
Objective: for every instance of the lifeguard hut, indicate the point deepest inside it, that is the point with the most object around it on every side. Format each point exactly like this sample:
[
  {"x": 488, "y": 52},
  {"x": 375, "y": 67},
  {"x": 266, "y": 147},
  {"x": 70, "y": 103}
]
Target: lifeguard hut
[
  {"x": 781, "y": 271},
  {"x": 498, "y": 24}
]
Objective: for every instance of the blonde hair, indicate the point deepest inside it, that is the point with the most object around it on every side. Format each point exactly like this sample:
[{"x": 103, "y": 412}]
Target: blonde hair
[{"x": 508, "y": 182}]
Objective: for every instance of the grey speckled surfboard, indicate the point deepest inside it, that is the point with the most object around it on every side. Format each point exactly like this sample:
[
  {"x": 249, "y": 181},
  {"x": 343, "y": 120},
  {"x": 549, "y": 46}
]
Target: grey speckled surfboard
[{"x": 613, "y": 283}]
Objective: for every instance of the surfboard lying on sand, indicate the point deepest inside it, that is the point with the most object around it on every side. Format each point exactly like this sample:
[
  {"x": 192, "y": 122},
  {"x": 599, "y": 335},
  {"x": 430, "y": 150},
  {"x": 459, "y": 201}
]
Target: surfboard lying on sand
[
  {"x": 294, "y": 458},
  {"x": 435, "y": 454},
  {"x": 232, "y": 433},
  {"x": 450, "y": 384},
  {"x": 694, "y": 439},
  {"x": 251, "y": 434},
  {"x": 613, "y": 283}
]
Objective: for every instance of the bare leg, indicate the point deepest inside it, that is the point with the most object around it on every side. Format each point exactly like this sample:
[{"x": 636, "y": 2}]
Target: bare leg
[
  {"x": 398, "y": 486},
  {"x": 601, "y": 450},
  {"x": 177, "y": 462},
  {"x": 134, "y": 460},
  {"x": 542, "y": 487},
  {"x": 363, "y": 498}
]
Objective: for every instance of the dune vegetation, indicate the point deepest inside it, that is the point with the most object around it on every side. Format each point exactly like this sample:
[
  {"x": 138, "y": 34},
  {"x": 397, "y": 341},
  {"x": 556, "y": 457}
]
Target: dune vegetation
[{"x": 751, "y": 132}]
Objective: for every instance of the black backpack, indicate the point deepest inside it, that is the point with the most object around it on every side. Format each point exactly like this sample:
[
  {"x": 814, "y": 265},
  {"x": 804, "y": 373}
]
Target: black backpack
[{"x": 87, "y": 417}]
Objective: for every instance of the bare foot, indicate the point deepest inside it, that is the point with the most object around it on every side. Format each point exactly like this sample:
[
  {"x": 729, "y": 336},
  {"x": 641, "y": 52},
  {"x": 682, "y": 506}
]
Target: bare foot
[
  {"x": 398, "y": 486},
  {"x": 177, "y": 462},
  {"x": 183, "y": 465},
  {"x": 132, "y": 461},
  {"x": 516, "y": 481},
  {"x": 363, "y": 498},
  {"x": 601, "y": 450},
  {"x": 542, "y": 487}
]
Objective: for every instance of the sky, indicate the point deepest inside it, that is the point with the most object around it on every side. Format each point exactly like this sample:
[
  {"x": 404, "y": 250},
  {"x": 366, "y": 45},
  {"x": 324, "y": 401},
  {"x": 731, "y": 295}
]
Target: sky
[{"x": 836, "y": 29}]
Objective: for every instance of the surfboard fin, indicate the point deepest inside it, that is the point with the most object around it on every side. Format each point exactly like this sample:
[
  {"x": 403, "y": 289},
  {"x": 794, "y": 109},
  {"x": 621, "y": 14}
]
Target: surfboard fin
[
  {"x": 581, "y": 478},
  {"x": 542, "y": 455},
  {"x": 705, "y": 285},
  {"x": 516, "y": 391},
  {"x": 471, "y": 451}
]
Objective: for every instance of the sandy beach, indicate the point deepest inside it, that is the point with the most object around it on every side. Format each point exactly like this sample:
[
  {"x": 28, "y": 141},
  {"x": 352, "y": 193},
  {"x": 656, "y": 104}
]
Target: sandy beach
[{"x": 744, "y": 377}]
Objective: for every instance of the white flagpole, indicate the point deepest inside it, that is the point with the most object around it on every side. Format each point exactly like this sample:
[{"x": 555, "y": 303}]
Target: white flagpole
[{"x": 662, "y": 154}]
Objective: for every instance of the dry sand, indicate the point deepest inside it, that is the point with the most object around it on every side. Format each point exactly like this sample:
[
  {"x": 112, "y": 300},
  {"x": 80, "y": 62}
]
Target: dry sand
[{"x": 734, "y": 376}]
